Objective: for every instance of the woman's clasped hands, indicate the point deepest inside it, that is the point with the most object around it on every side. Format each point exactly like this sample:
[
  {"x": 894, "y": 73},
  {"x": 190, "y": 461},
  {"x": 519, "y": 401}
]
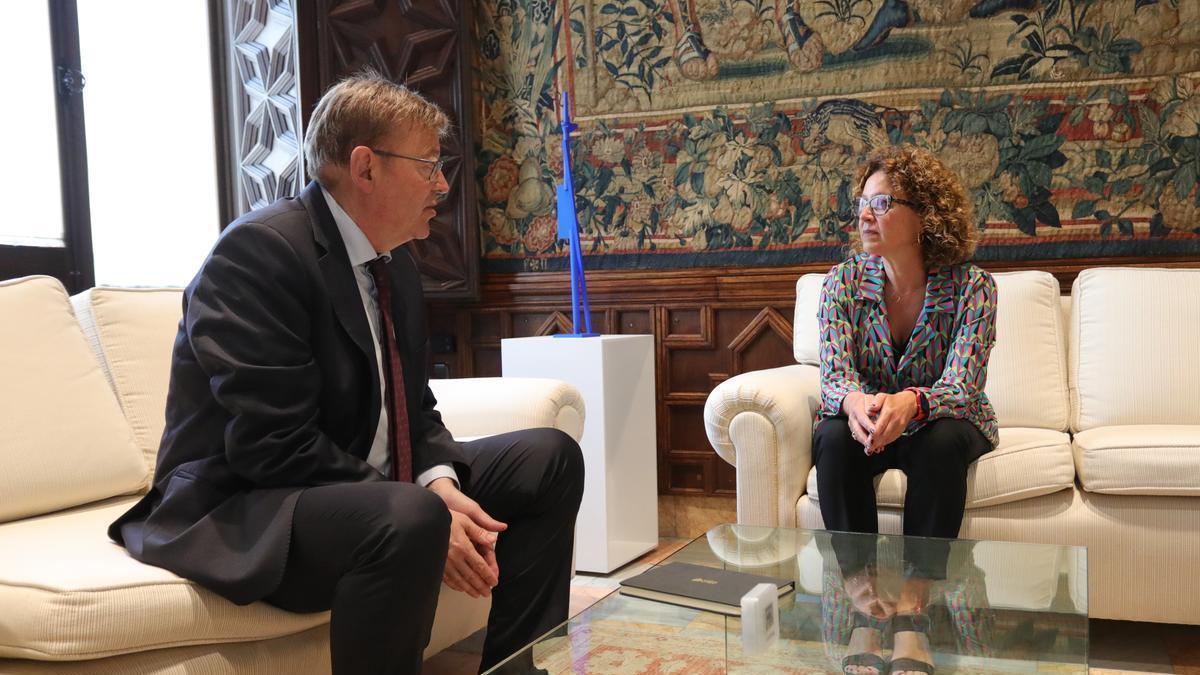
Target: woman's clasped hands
[{"x": 877, "y": 420}]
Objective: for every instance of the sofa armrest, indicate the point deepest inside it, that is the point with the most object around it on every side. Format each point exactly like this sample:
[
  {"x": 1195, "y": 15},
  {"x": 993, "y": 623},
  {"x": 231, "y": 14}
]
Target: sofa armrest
[
  {"x": 761, "y": 422},
  {"x": 483, "y": 406}
]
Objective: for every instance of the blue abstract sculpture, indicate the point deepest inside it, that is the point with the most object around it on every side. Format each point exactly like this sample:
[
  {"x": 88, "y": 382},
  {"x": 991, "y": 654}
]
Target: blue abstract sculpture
[{"x": 568, "y": 228}]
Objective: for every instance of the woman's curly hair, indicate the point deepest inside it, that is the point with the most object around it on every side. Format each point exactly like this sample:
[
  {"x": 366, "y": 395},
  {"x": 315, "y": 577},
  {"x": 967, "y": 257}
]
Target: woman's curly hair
[{"x": 948, "y": 233}]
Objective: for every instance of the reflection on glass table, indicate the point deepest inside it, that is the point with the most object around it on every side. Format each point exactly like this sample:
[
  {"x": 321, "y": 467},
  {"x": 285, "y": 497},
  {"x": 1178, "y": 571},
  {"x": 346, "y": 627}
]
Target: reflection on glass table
[{"x": 966, "y": 606}]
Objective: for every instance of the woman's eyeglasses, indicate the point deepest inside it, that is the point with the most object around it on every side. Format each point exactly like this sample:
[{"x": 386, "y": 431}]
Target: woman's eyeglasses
[{"x": 880, "y": 204}]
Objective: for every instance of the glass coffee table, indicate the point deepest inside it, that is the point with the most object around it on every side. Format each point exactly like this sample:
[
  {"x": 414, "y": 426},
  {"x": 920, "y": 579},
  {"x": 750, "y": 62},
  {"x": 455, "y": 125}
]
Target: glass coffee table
[{"x": 997, "y": 607}]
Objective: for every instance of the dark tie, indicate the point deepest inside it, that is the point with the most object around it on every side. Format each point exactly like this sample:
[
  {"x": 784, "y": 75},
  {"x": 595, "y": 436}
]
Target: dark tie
[{"x": 399, "y": 442}]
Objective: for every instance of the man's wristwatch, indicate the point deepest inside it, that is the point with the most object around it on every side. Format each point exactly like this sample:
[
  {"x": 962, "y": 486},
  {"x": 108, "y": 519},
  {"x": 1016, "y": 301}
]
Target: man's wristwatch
[{"x": 922, "y": 404}]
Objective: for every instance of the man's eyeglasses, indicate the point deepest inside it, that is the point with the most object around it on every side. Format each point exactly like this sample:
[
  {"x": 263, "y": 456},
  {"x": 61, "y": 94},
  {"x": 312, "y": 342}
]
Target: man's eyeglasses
[
  {"x": 433, "y": 170},
  {"x": 880, "y": 204}
]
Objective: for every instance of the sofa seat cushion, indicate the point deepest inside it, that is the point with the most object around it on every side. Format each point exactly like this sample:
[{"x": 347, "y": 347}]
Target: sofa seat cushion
[
  {"x": 63, "y": 439},
  {"x": 1140, "y": 459},
  {"x": 1027, "y": 463},
  {"x": 69, "y": 593}
]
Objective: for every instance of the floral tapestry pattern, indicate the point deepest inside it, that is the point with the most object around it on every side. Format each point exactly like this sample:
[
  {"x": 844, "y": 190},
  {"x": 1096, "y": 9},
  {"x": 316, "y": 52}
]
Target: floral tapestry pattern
[{"x": 718, "y": 132}]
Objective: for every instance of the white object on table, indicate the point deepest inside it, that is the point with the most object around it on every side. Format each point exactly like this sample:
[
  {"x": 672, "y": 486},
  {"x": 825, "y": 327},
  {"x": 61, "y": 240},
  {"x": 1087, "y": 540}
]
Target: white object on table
[{"x": 760, "y": 619}]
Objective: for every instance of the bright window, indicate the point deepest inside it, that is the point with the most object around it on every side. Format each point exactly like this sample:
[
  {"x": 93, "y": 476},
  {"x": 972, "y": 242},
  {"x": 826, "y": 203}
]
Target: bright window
[
  {"x": 151, "y": 144},
  {"x": 29, "y": 176}
]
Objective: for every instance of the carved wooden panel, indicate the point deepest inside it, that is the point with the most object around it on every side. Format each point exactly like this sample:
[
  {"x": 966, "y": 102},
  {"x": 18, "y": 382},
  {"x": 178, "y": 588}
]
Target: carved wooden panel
[
  {"x": 701, "y": 347},
  {"x": 424, "y": 45},
  {"x": 265, "y": 102}
]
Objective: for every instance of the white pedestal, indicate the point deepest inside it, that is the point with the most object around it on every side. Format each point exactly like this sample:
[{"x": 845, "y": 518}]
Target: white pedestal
[{"x": 618, "y": 519}]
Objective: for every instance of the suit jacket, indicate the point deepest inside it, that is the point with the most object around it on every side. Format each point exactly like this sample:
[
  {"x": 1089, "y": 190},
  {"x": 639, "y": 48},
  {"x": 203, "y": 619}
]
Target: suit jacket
[{"x": 274, "y": 388}]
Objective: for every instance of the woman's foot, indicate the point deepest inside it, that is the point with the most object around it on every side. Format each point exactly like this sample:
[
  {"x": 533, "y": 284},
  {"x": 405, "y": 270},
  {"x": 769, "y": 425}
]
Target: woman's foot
[
  {"x": 864, "y": 653},
  {"x": 911, "y": 653}
]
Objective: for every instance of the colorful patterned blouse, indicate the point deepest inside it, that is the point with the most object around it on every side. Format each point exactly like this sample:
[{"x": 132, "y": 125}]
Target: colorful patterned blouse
[{"x": 946, "y": 356}]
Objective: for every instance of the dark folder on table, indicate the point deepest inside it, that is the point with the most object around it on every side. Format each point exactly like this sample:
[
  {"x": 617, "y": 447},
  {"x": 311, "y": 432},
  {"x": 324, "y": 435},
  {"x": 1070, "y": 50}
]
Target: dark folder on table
[{"x": 706, "y": 588}]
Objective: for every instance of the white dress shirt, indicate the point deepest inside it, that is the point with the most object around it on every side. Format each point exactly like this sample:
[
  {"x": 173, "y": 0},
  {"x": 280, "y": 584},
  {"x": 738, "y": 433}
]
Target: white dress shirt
[{"x": 361, "y": 252}]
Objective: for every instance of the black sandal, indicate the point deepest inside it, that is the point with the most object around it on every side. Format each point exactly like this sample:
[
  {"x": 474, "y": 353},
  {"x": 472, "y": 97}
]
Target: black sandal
[
  {"x": 911, "y": 623},
  {"x": 865, "y": 659}
]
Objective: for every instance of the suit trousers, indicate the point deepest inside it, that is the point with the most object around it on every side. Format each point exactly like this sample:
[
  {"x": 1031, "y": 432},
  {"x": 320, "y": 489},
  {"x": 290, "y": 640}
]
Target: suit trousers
[
  {"x": 373, "y": 553},
  {"x": 934, "y": 459}
]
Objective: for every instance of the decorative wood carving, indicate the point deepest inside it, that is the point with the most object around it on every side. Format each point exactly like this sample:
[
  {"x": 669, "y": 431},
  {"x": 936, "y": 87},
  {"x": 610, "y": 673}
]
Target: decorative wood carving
[
  {"x": 710, "y": 324},
  {"x": 422, "y": 44},
  {"x": 760, "y": 341},
  {"x": 265, "y": 102}
]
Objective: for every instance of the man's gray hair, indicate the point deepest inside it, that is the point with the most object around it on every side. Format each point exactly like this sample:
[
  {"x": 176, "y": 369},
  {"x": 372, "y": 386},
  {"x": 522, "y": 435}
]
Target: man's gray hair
[{"x": 361, "y": 110}]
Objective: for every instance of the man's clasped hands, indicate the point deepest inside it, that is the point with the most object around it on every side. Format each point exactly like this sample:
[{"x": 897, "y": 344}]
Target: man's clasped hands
[{"x": 471, "y": 559}]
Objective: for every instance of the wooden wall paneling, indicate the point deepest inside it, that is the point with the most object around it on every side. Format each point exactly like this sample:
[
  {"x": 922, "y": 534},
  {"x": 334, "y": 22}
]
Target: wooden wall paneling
[
  {"x": 701, "y": 347},
  {"x": 684, "y": 336},
  {"x": 426, "y": 45},
  {"x": 540, "y": 322},
  {"x": 633, "y": 321},
  {"x": 688, "y": 474},
  {"x": 548, "y": 321},
  {"x": 695, "y": 358},
  {"x": 765, "y": 342},
  {"x": 488, "y": 328}
]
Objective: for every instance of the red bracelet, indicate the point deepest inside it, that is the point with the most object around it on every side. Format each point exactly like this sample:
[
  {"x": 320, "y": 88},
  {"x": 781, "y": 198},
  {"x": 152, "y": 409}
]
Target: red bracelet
[{"x": 922, "y": 404}]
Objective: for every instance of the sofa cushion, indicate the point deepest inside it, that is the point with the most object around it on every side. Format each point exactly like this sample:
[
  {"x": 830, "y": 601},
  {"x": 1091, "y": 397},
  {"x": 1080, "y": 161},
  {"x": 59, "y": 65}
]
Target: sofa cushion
[
  {"x": 132, "y": 331},
  {"x": 806, "y": 335},
  {"x": 1152, "y": 459},
  {"x": 65, "y": 441},
  {"x": 1027, "y": 370},
  {"x": 73, "y": 594},
  {"x": 1133, "y": 347},
  {"x": 1027, "y": 463}
]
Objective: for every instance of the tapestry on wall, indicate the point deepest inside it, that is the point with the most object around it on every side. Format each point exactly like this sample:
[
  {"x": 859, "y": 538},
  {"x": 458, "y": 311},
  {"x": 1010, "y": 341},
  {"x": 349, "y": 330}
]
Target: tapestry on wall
[{"x": 726, "y": 132}]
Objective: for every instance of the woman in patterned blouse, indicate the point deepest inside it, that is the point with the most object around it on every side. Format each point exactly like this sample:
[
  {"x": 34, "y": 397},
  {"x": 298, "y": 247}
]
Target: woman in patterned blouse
[{"x": 906, "y": 328}]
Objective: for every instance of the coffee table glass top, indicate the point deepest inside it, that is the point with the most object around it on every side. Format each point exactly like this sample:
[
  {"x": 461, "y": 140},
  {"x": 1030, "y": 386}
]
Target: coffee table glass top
[{"x": 990, "y": 606}]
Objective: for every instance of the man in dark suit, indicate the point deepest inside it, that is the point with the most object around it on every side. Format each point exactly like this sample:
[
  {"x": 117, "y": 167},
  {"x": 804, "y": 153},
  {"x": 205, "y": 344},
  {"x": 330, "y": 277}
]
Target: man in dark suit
[{"x": 291, "y": 470}]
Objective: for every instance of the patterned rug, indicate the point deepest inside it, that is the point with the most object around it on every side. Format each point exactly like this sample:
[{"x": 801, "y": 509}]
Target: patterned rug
[
  {"x": 641, "y": 637},
  {"x": 698, "y": 647}
]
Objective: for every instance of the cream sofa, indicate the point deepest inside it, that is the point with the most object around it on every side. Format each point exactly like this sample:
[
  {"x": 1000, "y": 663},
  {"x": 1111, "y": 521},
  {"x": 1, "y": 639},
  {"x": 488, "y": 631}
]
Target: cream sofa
[
  {"x": 81, "y": 411},
  {"x": 1096, "y": 396}
]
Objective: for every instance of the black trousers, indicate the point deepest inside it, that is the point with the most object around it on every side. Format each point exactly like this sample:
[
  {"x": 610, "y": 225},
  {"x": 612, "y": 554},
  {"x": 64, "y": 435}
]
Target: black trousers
[
  {"x": 373, "y": 553},
  {"x": 935, "y": 460}
]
